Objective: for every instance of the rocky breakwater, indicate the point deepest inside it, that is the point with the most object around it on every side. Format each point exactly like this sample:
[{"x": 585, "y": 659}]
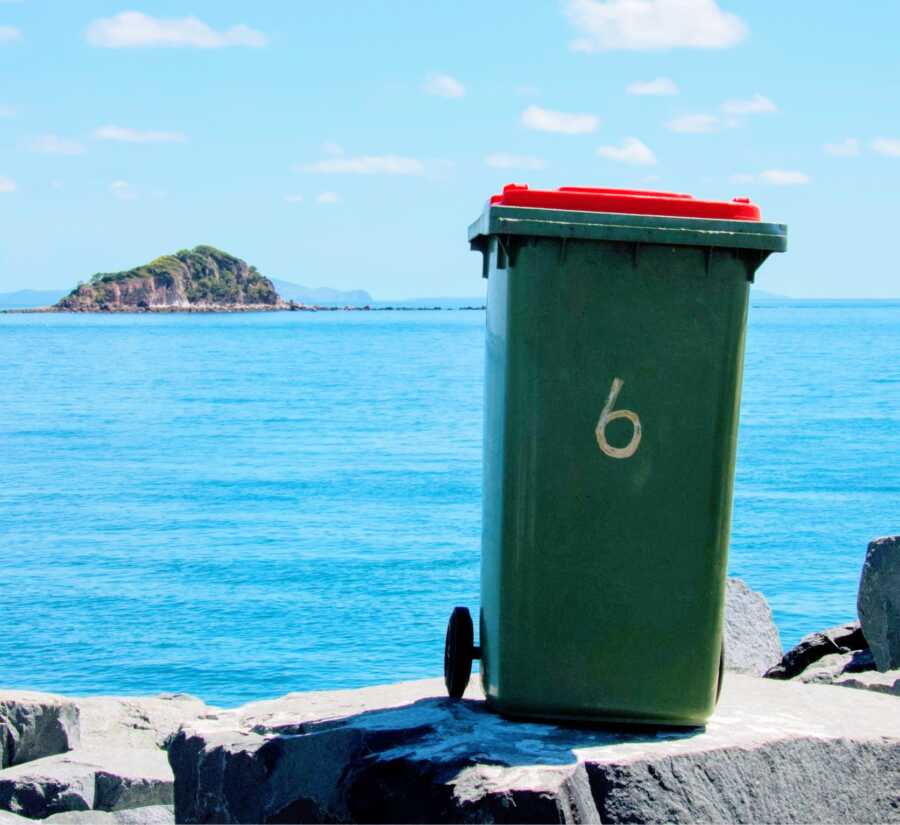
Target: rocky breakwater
[
  {"x": 203, "y": 279},
  {"x": 775, "y": 751},
  {"x": 97, "y": 759},
  {"x": 864, "y": 654}
]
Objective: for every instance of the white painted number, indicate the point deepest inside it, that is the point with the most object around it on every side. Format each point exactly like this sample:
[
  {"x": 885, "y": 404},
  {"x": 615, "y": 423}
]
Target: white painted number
[{"x": 608, "y": 415}]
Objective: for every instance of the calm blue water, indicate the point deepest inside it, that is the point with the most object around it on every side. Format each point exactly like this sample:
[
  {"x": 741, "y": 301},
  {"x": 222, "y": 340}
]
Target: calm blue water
[{"x": 239, "y": 506}]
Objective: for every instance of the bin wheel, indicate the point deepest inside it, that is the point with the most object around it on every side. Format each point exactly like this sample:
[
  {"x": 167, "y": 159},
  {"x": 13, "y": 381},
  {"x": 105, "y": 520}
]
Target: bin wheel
[
  {"x": 459, "y": 651},
  {"x": 721, "y": 671}
]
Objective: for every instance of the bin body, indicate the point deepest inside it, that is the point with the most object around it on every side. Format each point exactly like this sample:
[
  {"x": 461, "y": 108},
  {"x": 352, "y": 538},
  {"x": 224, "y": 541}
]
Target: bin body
[{"x": 613, "y": 374}]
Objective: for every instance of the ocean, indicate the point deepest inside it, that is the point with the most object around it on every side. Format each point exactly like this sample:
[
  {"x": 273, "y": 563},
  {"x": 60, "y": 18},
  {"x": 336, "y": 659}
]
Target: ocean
[{"x": 238, "y": 506}]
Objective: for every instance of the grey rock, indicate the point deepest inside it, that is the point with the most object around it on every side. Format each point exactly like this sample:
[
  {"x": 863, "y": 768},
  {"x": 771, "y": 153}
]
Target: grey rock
[
  {"x": 785, "y": 782},
  {"x": 878, "y": 601},
  {"x": 774, "y": 752},
  {"x": 37, "y": 790},
  {"x": 149, "y": 815},
  {"x": 845, "y": 638},
  {"x": 82, "y": 818},
  {"x": 83, "y": 780},
  {"x": 752, "y": 643},
  {"x": 838, "y": 657},
  {"x": 33, "y": 725},
  {"x": 886, "y": 682},
  {"x": 137, "y": 722},
  {"x": 830, "y": 669},
  {"x": 118, "y": 763}
]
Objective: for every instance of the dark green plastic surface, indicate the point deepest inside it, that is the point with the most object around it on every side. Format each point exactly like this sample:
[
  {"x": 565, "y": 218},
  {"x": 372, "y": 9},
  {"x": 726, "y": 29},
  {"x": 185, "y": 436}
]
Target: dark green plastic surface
[{"x": 604, "y": 557}]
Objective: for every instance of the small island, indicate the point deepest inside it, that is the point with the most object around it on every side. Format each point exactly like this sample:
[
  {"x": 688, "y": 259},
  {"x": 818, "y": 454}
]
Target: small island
[
  {"x": 202, "y": 279},
  {"x": 206, "y": 279}
]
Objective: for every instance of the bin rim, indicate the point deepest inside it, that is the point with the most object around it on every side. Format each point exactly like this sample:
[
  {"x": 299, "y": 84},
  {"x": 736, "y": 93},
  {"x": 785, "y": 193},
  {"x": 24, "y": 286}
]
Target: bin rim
[
  {"x": 498, "y": 219},
  {"x": 627, "y": 202}
]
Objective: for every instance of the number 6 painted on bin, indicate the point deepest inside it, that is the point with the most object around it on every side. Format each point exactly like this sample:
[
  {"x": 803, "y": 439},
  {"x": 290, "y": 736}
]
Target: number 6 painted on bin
[{"x": 608, "y": 415}]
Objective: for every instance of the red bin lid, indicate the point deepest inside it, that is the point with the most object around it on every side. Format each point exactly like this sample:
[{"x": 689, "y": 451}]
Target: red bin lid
[{"x": 626, "y": 201}]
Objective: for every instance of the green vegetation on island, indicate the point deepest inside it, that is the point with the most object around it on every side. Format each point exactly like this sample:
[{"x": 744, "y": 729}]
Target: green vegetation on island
[{"x": 202, "y": 277}]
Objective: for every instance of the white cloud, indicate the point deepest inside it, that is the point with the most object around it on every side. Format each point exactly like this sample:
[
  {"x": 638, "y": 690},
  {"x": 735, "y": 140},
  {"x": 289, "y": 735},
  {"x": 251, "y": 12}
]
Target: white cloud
[
  {"x": 122, "y": 190},
  {"x": 9, "y": 34},
  {"x": 889, "y": 147},
  {"x": 293, "y": 198},
  {"x": 784, "y": 177},
  {"x": 631, "y": 151},
  {"x": 443, "y": 85},
  {"x": 132, "y": 29},
  {"x": 694, "y": 124},
  {"x": 848, "y": 148},
  {"x": 55, "y": 145},
  {"x": 329, "y": 147},
  {"x": 756, "y": 105},
  {"x": 327, "y": 197},
  {"x": 648, "y": 25},
  {"x": 504, "y": 160},
  {"x": 566, "y": 123},
  {"x": 365, "y": 165},
  {"x": 775, "y": 177},
  {"x": 658, "y": 87},
  {"x": 705, "y": 122},
  {"x": 126, "y": 135},
  {"x": 7, "y": 185}
]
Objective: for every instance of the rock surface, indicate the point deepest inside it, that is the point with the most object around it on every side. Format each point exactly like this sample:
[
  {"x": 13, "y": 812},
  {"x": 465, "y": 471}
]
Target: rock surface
[
  {"x": 752, "y": 643},
  {"x": 84, "y": 780},
  {"x": 103, "y": 753},
  {"x": 773, "y": 752},
  {"x": 33, "y": 725},
  {"x": 150, "y": 815},
  {"x": 843, "y": 639},
  {"x": 886, "y": 682},
  {"x": 137, "y": 722},
  {"x": 878, "y": 601},
  {"x": 830, "y": 669}
]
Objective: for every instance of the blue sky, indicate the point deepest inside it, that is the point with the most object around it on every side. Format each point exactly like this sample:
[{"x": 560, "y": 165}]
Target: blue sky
[{"x": 349, "y": 144}]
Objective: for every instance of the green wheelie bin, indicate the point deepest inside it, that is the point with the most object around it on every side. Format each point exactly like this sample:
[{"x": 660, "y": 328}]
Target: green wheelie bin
[{"x": 615, "y": 342}]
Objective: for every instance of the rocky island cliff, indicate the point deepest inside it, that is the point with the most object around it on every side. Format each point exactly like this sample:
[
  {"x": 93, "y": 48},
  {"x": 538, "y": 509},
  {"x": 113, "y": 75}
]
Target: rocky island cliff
[{"x": 200, "y": 279}]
